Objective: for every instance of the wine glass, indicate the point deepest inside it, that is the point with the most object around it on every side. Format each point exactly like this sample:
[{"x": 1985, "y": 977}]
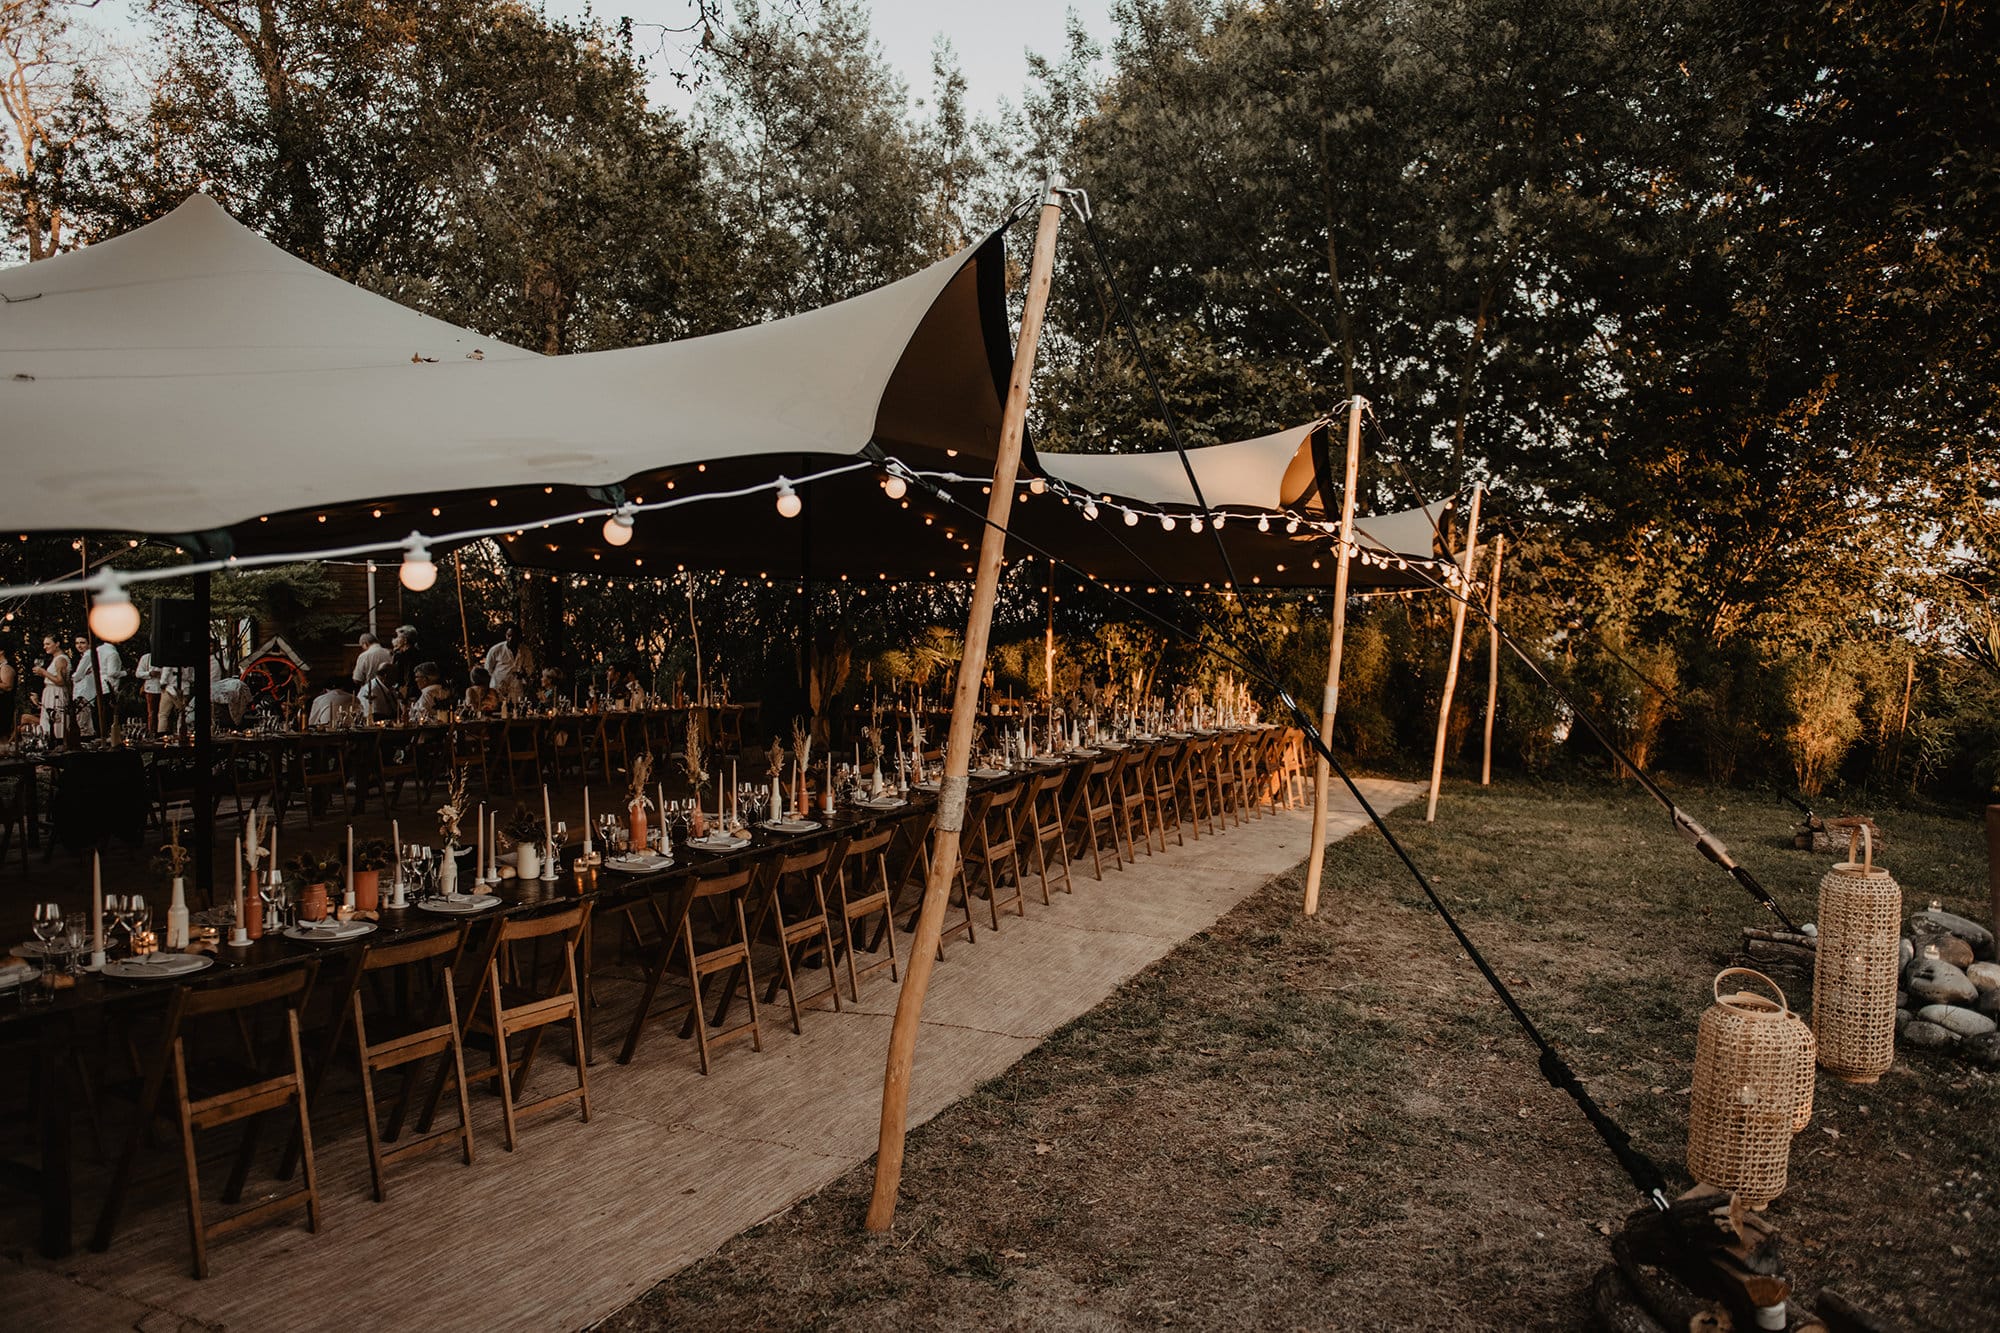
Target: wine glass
[
  {"x": 557, "y": 837},
  {"x": 74, "y": 933},
  {"x": 114, "y": 916},
  {"x": 140, "y": 913},
  {"x": 48, "y": 925}
]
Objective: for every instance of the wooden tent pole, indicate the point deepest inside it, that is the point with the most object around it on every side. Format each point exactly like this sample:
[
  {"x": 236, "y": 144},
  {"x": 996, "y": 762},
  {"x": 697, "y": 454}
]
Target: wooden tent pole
[
  {"x": 1492, "y": 661},
  {"x": 1316, "y": 860},
  {"x": 1903, "y": 728},
  {"x": 1457, "y": 642},
  {"x": 464, "y": 628},
  {"x": 958, "y": 750}
]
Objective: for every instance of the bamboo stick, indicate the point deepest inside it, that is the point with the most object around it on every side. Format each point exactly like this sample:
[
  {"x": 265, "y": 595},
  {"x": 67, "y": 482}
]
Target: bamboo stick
[
  {"x": 1492, "y": 661},
  {"x": 971, "y": 668},
  {"x": 1316, "y": 860},
  {"x": 1451, "y": 664}
]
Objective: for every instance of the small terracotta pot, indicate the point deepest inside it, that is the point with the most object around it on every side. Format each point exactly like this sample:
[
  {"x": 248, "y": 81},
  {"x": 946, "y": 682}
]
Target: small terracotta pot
[
  {"x": 312, "y": 903},
  {"x": 367, "y": 890}
]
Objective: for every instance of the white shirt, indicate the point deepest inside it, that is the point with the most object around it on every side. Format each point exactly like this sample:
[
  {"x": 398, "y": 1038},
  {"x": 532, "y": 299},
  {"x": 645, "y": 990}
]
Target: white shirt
[
  {"x": 109, "y": 665},
  {"x": 378, "y": 699},
  {"x": 149, "y": 673},
  {"x": 374, "y": 660},
  {"x": 333, "y": 706},
  {"x": 232, "y": 695},
  {"x": 499, "y": 663}
]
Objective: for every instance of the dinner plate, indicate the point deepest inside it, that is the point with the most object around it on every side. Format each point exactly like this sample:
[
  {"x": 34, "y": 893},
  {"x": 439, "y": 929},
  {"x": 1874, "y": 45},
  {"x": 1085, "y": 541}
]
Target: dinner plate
[
  {"x": 879, "y": 803},
  {"x": 157, "y": 966},
  {"x": 638, "y": 865},
  {"x": 1048, "y": 760},
  {"x": 928, "y": 786},
  {"x": 460, "y": 904},
  {"x": 36, "y": 949},
  {"x": 989, "y": 772},
  {"x": 332, "y": 933},
  {"x": 718, "y": 843},
  {"x": 11, "y": 977},
  {"x": 791, "y": 825}
]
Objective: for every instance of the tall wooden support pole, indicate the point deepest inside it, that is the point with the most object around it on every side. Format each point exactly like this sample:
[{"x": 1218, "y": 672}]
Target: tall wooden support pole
[
  {"x": 1492, "y": 661},
  {"x": 1903, "y": 727},
  {"x": 1316, "y": 860},
  {"x": 204, "y": 743},
  {"x": 1049, "y": 641},
  {"x": 1451, "y": 665},
  {"x": 965, "y": 699}
]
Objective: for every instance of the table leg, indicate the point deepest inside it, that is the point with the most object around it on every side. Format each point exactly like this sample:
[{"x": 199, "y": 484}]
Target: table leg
[{"x": 53, "y": 1130}]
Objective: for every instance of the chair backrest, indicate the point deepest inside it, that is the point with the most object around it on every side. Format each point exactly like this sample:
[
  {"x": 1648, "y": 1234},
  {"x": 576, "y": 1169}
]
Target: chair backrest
[
  {"x": 811, "y": 859},
  {"x": 292, "y": 986},
  {"x": 568, "y": 920},
  {"x": 376, "y": 957},
  {"x": 735, "y": 881},
  {"x": 865, "y": 844}
]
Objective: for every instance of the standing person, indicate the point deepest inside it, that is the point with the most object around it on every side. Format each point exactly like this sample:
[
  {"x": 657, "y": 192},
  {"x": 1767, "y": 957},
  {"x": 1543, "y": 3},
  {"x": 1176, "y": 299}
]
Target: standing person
[
  {"x": 176, "y": 689},
  {"x": 10, "y": 703},
  {"x": 374, "y": 659},
  {"x": 150, "y": 688},
  {"x": 500, "y": 657},
  {"x": 54, "y": 672},
  {"x": 404, "y": 661},
  {"x": 95, "y": 676}
]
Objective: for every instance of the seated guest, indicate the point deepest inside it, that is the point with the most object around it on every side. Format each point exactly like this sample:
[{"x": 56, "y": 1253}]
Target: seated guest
[
  {"x": 336, "y": 705},
  {"x": 635, "y": 689},
  {"x": 433, "y": 700},
  {"x": 232, "y": 697},
  {"x": 378, "y": 700},
  {"x": 480, "y": 696},
  {"x": 551, "y": 693}
]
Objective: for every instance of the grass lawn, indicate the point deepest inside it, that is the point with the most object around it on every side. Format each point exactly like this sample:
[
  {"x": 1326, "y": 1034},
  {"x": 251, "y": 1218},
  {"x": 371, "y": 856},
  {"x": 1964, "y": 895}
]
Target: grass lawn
[{"x": 1332, "y": 1123}]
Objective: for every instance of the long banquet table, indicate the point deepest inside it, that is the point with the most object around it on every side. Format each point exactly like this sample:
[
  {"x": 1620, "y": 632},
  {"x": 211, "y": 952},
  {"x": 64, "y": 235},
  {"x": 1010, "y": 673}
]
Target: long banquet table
[{"x": 93, "y": 1000}]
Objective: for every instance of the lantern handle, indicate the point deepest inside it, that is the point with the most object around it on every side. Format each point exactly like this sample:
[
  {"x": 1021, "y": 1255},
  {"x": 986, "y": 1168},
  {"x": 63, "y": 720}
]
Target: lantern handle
[
  {"x": 1862, "y": 834},
  {"x": 1783, "y": 1006}
]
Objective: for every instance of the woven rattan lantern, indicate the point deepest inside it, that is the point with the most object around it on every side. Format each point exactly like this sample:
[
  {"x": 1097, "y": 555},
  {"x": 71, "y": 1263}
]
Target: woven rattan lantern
[
  {"x": 1854, "y": 979},
  {"x": 1753, "y": 1078}
]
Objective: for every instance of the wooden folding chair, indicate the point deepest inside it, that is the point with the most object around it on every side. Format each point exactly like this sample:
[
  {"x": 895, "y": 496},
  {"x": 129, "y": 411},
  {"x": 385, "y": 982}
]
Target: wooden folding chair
[
  {"x": 796, "y": 927},
  {"x": 1134, "y": 779},
  {"x": 322, "y": 766},
  {"x": 1163, "y": 795},
  {"x": 1043, "y": 810},
  {"x": 422, "y": 1035},
  {"x": 914, "y": 874},
  {"x": 210, "y": 1094},
  {"x": 526, "y": 1005},
  {"x": 1197, "y": 786},
  {"x": 673, "y": 910},
  {"x": 861, "y": 885},
  {"x": 992, "y": 842},
  {"x": 1093, "y": 811},
  {"x": 521, "y": 739},
  {"x": 611, "y": 737},
  {"x": 470, "y": 744}
]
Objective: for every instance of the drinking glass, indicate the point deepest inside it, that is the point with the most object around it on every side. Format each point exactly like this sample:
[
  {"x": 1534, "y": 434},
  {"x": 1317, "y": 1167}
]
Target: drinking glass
[
  {"x": 75, "y": 931},
  {"x": 114, "y": 918},
  {"x": 48, "y": 925},
  {"x": 140, "y": 914}
]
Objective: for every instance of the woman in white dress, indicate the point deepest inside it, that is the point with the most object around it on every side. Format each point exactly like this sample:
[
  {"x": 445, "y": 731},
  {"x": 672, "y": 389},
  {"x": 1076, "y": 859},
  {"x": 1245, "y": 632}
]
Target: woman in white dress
[{"x": 55, "y": 689}]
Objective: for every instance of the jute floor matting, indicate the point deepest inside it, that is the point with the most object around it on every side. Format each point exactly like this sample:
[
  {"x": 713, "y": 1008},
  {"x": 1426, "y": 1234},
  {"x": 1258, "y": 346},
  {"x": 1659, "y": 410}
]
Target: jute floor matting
[{"x": 585, "y": 1217}]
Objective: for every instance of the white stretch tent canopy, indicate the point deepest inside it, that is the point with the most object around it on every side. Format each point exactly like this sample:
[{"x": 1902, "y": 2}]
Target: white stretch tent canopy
[
  {"x": 1272, "y": 472},
  {"x": 190, "y": 376}
]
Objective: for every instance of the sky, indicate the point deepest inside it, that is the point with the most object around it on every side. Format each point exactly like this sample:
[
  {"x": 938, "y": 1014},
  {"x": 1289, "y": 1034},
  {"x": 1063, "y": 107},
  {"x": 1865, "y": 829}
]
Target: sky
[{"x": 990, "y": 38}]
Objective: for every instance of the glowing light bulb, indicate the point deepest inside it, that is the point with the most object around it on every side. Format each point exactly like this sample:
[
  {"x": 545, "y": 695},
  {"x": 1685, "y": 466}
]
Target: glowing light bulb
[
  {"x": 1263, "y": 524},
  {"x": 789, "y": 503},
  {"x": 1220, "y": 519},
  {"x": 1195, "y": 524},
  {"x": 1090, "y": 510},
  {"x": 1291, "y": 526},
  {"x": 418, "y": 572},
  {"x": 1036, "y": 485},
  {"x": 1166, "y": 522},
  {"x": 113, "y": 618},
  {"x": 895, "y": 487},
  {"x": 1131, "y": 519},
  {"x": 618, "y": 527}
]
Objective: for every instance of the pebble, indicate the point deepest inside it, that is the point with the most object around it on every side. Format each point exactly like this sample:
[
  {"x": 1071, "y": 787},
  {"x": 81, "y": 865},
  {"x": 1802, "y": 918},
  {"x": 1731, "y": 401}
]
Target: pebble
[
  {"x": 1949, "y": 947},
  {"x": 1974, "y": 934},
  {"x": 1986, "y": 976},
  {"x": 1964, "y": 1022},
  {"x": 1983, "y": 1050},
  {"x": 1935, "y": 981},
  {"x": 1928, "y": 1036},
  {"x": 1903, "y": 1019},
  {"x": 1906, "y": 952},
  {"x": 1989, "y": 1004}
]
